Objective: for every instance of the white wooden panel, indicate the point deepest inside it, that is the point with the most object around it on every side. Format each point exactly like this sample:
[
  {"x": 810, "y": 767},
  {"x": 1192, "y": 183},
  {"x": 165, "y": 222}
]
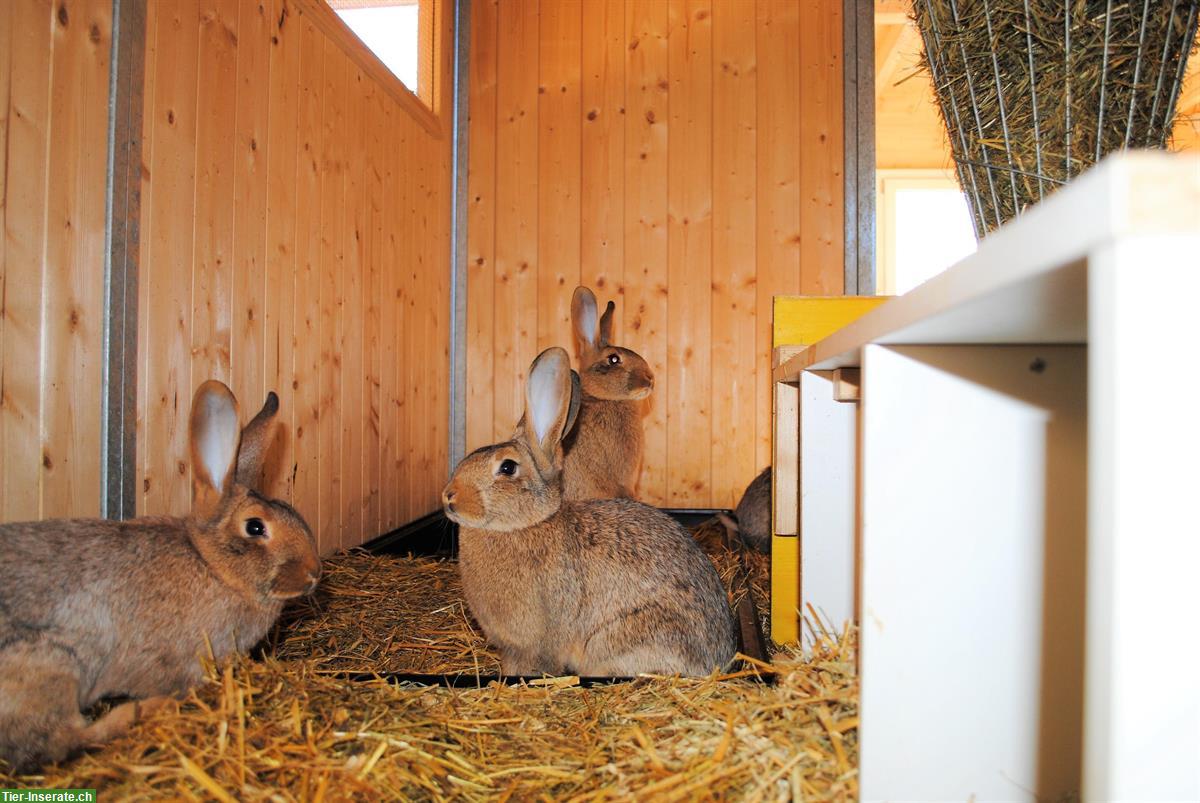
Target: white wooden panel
[
  {"x": 827, "y": 502},
  {"x": 974, "y": 494},
  {"x": 1143, "y": 661}
]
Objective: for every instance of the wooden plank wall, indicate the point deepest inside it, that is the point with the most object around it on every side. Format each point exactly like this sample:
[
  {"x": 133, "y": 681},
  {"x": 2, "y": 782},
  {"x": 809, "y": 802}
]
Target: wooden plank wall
[
  {"x": 54, "y": 72},
  {"x": 682, "y": 157},
  {"x": 295, "y": 237}
]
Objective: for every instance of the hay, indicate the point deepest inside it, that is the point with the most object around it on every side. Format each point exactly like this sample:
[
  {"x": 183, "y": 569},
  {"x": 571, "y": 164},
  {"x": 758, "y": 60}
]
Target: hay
[
  {"x": 280, "y": 730},
  {"x": 382, "y": 613},
  {"x": 290, "y": 726},
  {"x": 1033, "y": 92}
]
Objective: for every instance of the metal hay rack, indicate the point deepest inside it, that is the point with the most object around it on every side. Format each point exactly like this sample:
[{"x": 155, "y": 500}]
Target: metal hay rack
[{"x": 1033, "y": 92}]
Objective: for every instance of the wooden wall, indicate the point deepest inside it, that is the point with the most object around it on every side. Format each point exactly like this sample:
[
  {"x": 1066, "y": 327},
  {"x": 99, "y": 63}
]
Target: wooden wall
[
  {"x": 54, "y": 61},
  {"x": 636, "y": 146},
  {"x": 294, "y": 237}
]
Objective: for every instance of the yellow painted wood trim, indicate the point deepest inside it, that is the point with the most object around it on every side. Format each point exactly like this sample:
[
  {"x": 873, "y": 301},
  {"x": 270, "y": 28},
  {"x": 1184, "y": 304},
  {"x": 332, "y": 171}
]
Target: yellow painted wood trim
[
  {"x": 785, "y": 589},
  {"x": 803, "y": 320}
]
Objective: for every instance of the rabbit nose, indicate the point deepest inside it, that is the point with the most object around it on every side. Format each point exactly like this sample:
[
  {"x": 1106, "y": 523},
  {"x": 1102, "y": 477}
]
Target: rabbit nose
[{"x": 313, "y": 579}]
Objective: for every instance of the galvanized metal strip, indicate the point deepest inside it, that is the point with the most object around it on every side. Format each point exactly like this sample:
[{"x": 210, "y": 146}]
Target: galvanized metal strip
[
  {"x": 458, "y": 239},
  {"x": 858, "y": 81},
  {"x": 118, "y": 450}
]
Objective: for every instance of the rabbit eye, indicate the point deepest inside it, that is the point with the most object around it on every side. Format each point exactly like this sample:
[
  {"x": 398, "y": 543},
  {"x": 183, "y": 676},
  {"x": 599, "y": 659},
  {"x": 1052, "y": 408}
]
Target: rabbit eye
[
  {"x": 614, "y": 359},
  {"x": 508, "y": 468},
  {"x": 255, "y": 528}
]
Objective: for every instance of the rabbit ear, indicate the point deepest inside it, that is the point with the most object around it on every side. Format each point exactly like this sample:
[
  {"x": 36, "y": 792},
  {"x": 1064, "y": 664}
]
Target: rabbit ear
[
  {"x": 576, "y": 401},
  {"x": 214, "y": 435},
  {"x": 583, "y": 316},
  {"x": 548, "y": 393},
  {"x": 606, "y": 324},
  {"x": 256, "y": 440}
]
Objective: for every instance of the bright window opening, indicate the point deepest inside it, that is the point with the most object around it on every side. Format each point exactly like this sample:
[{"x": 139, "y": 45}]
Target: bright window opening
[
  {"x": 391, "y": 29},
  {"x": 924, "y": 227}
]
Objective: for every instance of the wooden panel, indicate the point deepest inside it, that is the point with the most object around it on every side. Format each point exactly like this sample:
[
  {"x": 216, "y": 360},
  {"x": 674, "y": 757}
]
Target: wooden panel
[
  {"x": 332, "y": 277},
  {"x": 647, "y": 109},
  {"x": 390, "y": 312},
  {"x": 321, "y": 208},
  {"x": 909, "y": 132},
  {"x": 249, "y": 333},
  {"x": 696, "y": 189},
  {"x": 734, "y": 312},
  {"x": 410, "y": 415},
  {"x": 481, "y": 232},
  {"x": 822, "y": 202},
  {"x": 558, "y": 173},
  {"x": 372, "y": 321},
  {"x": 6, "y": 49},
  {"x": 778, "y": 183},
  {"x": 516, "y": 313},
  {"x": 688, "y": 386},
  {"x": 165, "y": 339},
  {"x": 73, "y": 301},
  {"x": 54, "y": 74},
  {"x": 150, "y": 114},
  {"x": 279, "y": 302},
  {"x": 348, "y": 361},
  {"x": 798, "y": 320},
  {"x": 25, "y": 201},
  {"x": 602, "y": 229},
  {"x": 212, "y": 292},
  {"x": 307, "y": 371}
]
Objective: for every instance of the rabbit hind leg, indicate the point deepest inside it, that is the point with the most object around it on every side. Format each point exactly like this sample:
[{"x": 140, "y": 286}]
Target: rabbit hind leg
[
  {"x": 647, "y": 640},
  {"x": 40, "y": 719},
  {"x": 120, "y": 719}
]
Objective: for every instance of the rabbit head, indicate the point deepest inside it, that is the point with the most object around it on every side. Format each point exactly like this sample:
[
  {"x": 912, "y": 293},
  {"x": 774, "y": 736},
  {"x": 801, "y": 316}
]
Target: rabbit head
[
  {"x": 259, "y": 546},
  {"x": 606, "y": 371},
  {"x": 518, "y": 483}
]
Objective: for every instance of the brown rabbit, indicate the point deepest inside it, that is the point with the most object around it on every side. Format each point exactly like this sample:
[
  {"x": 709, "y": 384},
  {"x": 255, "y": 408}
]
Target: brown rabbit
[
  {"x": 604, "y": 451},
  {"x": 751, "y": 521},
  {"x": 601, "y": 587},
  {"x": 92, "y": 608}
]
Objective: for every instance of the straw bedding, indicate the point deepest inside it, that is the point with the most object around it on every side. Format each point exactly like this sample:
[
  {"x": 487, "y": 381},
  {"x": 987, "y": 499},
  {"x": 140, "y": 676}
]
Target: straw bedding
[{"x": 290, "y": 726}]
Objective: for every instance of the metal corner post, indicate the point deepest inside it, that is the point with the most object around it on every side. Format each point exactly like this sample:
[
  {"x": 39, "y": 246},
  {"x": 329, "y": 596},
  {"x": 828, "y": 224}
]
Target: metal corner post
[
  {"x": 458, "y": 239},
  {"x": 118, "y": 450},
  {"x": 858, "y": 47}
]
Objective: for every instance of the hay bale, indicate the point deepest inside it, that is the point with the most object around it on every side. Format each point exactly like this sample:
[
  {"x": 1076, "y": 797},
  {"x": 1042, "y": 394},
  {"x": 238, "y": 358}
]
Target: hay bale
[{"x": 1033, "y": 92}]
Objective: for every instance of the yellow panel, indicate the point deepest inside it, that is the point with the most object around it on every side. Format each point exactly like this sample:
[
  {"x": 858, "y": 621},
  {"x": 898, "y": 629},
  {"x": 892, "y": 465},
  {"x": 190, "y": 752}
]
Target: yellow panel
[
  {"x": 803, "y": 320},
  {"x": 785, "y": 589}
]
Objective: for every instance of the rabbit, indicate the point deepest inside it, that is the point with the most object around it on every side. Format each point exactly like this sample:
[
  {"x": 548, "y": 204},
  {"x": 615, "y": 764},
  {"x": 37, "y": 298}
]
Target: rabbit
[
  {"x": 599, "y": 587},
  {"x": 751, "y": 522},
  {"x": 604, "y": 451},
  {"x": 94, "y": 608}
]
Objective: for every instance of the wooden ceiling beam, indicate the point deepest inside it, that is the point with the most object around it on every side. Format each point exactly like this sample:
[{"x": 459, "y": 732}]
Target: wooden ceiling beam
[
  {"x": 903, "y": 41},
  {"x": 892, "y": 12}
]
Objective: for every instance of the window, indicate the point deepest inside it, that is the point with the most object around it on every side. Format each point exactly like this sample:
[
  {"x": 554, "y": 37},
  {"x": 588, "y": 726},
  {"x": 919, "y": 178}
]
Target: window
[
  {"x": 398, "y": 32},
  {"x": 924, "y": 227}
]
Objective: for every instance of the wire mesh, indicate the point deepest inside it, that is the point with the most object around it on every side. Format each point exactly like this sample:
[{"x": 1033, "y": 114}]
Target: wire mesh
[{"x": 1033, "y": 92}]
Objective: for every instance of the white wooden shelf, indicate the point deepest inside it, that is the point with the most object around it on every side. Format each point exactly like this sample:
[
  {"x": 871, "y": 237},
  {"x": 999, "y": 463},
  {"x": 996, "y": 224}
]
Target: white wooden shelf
[
  {"x": 1027, "y": 283},
  {"x": 1014, "y": 531}
]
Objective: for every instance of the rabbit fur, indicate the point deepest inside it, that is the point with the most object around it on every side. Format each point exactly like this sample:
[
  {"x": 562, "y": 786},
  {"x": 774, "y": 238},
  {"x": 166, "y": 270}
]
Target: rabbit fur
[
  {"x": 751, "y": 520},
  {"x": 601, "y": 587},
  {"x": 94, "y": 608},
  {"x": 604, "y": 450}
]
